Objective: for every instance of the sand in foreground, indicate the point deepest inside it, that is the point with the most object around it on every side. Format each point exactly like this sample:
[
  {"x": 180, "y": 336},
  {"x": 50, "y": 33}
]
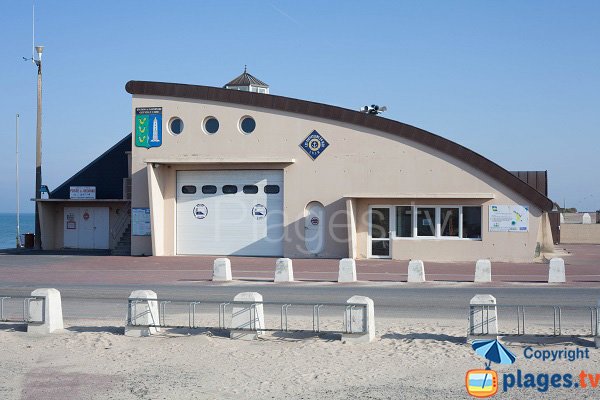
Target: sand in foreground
[{"x": 93, "y": 360}]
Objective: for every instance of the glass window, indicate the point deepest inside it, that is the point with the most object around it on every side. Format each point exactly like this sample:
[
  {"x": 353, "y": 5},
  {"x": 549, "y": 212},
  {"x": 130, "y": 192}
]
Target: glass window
[
  {"x": 229, "y": 189},
  {"x": 250, "y": 189},
  {"x": 404, "y": 226},
  {"x": 449, "y": 221},
  {"x": 247, "y": 125},
  {"x": 176, "y": 126},
  {"x": 211, "y": 125},
  {"x": 272, "y": 189},
  {"x": 380, "y": 248},
  {"x": 471, "y": 222},
  {"x": 209, "y": 189},
  {"x": 188, "y": 189},
  {"x": 426, "y": 221},
  {"x": 380, "y": 223}
]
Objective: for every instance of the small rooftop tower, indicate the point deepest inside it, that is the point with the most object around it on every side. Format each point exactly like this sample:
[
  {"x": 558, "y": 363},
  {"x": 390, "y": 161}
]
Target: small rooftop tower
[{"x": 247, "y": 83}]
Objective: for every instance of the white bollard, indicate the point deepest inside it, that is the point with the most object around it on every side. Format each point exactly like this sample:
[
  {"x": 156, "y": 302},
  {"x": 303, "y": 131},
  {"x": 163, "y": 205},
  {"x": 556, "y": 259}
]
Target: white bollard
[
  {"x": 556, "y": 271},
  {"x": 360, "y": 320},
  {"x": 483, "y": 271},
  {"x": 222, "y": 270},
  {"x": 586, "y": 219},
  {"x": 45, "y": 318},
  {"x": 284, "y": 272},
  {"x": 249, "y": 317},
  {"x": 416, "y": 271},
  {"x": 483, "y": 316},
  {"x": 347, "y": 270},
  {"x": 140, "y": 313}
]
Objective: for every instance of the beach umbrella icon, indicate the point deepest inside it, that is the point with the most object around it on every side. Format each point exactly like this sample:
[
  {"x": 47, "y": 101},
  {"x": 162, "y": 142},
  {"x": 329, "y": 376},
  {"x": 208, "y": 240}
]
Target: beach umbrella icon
[{"x": 493, "y": 351}]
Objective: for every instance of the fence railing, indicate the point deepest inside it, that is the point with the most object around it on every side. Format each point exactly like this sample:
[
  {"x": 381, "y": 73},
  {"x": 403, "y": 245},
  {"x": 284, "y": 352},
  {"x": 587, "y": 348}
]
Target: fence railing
[
  {"x": 550, "y": 320},
  {"x": 17, "y": 309},
  {"x": 138, "y": 309}
]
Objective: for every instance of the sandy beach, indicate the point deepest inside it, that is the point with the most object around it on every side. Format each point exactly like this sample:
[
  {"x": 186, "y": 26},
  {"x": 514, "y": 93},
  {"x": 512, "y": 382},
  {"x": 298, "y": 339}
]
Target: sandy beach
[{"x": 92, "y": 359}]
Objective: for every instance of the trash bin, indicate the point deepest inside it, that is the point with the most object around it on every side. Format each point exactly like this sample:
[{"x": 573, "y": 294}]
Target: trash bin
[{"x": 29, "y": 240}]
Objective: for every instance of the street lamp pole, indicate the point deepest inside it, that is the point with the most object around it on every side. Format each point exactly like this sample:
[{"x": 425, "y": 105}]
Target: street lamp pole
[{"x": 38, "y": 150}]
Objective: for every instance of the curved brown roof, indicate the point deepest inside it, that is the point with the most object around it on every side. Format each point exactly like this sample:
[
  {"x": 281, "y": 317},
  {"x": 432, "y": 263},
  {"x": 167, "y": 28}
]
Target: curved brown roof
[{"x": 344, "y": 115}]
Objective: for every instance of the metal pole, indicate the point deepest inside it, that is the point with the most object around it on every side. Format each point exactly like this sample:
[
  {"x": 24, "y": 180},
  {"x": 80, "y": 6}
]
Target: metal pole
[
  {"x": 38, "y": 156},
  {"x": 17, "y": 180}
]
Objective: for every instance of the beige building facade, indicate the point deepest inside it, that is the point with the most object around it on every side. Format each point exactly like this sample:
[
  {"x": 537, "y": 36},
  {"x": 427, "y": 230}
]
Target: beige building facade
[{"x": 347, "y": 183}]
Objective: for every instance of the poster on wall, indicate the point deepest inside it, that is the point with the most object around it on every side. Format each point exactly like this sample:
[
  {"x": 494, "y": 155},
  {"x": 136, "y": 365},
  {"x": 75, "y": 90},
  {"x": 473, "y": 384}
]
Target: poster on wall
[
  {"x": 148, "y": 127},
  {"x": 82, "y": 192},
  {"x": 140, "y": 222},
  {"x": 509, "y": 218}
]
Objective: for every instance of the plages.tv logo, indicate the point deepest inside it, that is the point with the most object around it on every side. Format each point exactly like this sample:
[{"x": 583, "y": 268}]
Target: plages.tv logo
[{"x": 483, "y": 383}]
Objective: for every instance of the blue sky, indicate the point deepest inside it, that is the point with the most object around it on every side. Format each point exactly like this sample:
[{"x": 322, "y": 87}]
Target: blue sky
[{"x": 515, "y": 81}]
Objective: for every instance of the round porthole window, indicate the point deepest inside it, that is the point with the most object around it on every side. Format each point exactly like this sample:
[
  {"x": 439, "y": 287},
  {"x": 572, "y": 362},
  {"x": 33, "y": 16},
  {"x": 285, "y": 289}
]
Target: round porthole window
[
  {"x": 211, "y": 125},
  {"x": 247, "y": 125},
  {"x": 176, "y": 125}
]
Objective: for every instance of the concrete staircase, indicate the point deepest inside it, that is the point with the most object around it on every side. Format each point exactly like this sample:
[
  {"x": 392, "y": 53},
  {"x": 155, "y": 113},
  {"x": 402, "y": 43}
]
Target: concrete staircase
[{"x": 123, "y": 247}]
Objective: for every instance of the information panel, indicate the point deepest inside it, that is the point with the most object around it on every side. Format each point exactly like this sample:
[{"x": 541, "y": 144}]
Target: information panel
[
  {"x": 140, "y": 222},
  {"x": 509, "y": 218}
]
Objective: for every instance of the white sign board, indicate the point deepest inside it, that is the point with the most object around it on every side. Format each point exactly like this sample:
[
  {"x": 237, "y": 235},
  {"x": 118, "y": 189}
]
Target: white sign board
[
  {"x": 140, "y": 222},
  {"x": 509, "y": 218},
  {"x": 82, "y": 192}
]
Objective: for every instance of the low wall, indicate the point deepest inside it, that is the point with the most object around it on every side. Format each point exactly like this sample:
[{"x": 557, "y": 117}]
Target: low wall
[{"x": 580, "y": 233}]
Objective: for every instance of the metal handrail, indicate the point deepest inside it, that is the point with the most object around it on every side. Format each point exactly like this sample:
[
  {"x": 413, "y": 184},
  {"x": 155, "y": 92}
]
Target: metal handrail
[
  {"x": 557, "y": 325},
  {"x": 252, "y": 325},
  {"x": 25, "y": 308}
]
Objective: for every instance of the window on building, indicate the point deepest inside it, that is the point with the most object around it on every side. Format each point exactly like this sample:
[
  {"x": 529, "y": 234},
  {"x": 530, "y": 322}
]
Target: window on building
[
  {"x": 404, "y": 226},
  {"x": 188, "y": 189},
  {"x": 230, "y": 189},
  {"x": 247, "y": 125},
  {"x": 250, "y": 189},
  {"x": 176, "y": 126},
  {"x": 471, "y": 222},
  {"x": 211, "y": 125},
  {"x": 209, "y": 189},
  {"x": 438, "y": 222},
  {"x": 272, "y": 189},
  {"x": 426, "y": 221},
  {"x": 449, "y": 221}
]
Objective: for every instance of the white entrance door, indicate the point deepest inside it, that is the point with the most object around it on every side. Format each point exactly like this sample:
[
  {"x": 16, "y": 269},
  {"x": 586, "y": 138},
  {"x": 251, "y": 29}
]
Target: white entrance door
[
  {"x": 230, "y": 212},
  {"x": 86, "y": 227},
  {"x": 379, "y": 232},
  {"x": 314, "y": 227}
]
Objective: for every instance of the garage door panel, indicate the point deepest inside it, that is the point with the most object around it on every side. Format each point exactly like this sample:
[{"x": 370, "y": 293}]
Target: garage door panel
[{"x": 230, "y": 224}]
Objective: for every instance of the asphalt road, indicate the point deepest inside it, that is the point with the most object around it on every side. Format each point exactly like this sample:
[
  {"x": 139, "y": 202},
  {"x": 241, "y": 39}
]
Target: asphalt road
[{"x": 391, "y": 300}]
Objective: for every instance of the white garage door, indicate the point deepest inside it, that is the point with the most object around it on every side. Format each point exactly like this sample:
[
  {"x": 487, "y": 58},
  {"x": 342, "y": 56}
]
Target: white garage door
[{"x": 230, "y": 212}]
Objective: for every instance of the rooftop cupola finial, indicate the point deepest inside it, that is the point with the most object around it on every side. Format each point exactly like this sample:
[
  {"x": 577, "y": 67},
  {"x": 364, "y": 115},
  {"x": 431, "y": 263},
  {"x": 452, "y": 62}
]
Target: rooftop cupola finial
[{"x": 247, "y": 83}]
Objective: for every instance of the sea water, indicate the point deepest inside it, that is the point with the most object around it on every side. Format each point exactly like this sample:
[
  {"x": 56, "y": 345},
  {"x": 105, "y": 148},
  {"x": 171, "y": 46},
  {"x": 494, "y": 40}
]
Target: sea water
[{"x": 8, "y": 228}]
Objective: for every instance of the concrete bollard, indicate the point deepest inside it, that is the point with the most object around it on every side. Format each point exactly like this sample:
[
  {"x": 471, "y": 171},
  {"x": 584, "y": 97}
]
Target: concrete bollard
[
  {"x": 416, "y": 271},
  {"x": 556, "y": 271},
  {"x": 222, "y": 270},
  {"x": 347, "y": 270},
  {"x": 483, "y": 271},
  {"x": 483, "y": 316},
  {"x": 586, "y": 219},
  {"x": 48, "y": 317},
  {"x": 284, "y": 272},
  {"x": 249, "y": 317},
  {"x": 144, "y": 312},
  {"x": 360, "y": 320}
]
